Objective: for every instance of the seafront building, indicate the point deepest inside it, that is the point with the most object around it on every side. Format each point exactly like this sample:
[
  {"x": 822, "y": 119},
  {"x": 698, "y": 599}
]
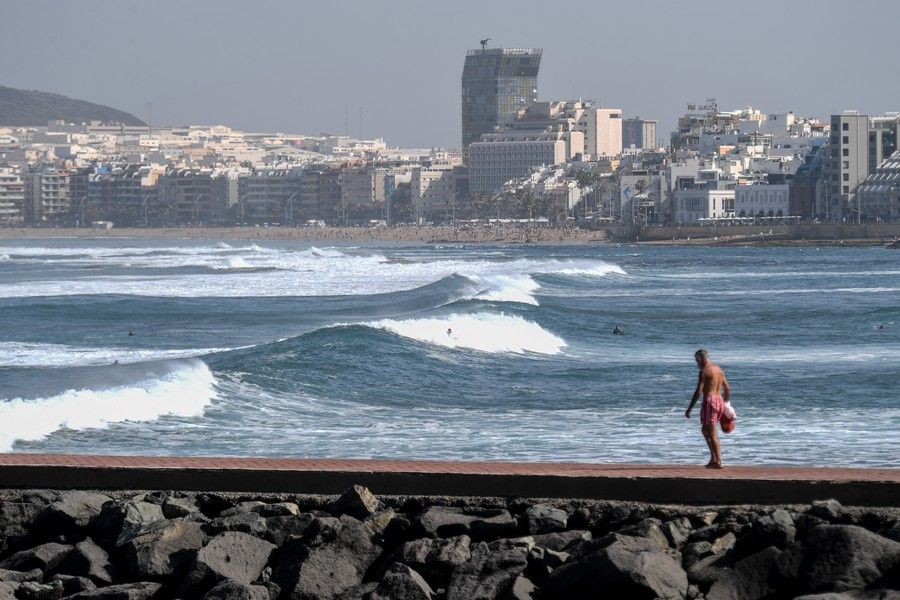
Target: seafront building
[
  {"x": 496, "y": 82},
  {"x": 879, "y": 193},
  {"x": 12, "y": 197}
]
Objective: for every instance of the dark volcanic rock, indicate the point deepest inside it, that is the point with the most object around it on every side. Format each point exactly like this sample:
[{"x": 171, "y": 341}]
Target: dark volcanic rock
[
  {"x": 855, "y": 595},
  {"x": 245, "y": 522},
  {"x": 31, "y": 590},
  {"x": 45, "y": 557},
  {"x": 16, "y": 523},
  {"x": 619, "y": 566},
  {"x": 117, "y": 520},
  {"x": 677, "y": 531},
  {"x": 541, "y": 518},
  {"x": 561, "y": 540},
  {"x": 522, "y": 589},
  {"x": 73, "y": 584},
  {"x": 142, "y": 590},
  {"x": 830, "y": 510},
  {"x": 279, "y": 529},
  {"x": 313, "y": 568},
  {"x": 436, "y": 558},
  {"x": 710, "y": 569},
  {"x": 174, "y": 507},
  {"x": 89, "y": 560},
  {"x": 402, "y": 583},
  {"x": 755, "y": 577},
  {"x": 232, "y": 555},
  {"x": 163, "y": 549},
  {"x": 847, "y": 557},
  {"x": 357, "y": 502},
  {"x": 477, "y": 523},
  {"x": 73, "y": 511},
  {"x": 489, "y": 572},
  {"x": 776, "y": 530},
  {"x": 277, "y": 509},
  {"x": 20, "y": 576},
  {"x": 232, "y": 590}
]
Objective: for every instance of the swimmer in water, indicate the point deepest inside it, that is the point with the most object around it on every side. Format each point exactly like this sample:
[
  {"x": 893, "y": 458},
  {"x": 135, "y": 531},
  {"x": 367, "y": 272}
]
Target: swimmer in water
[
  {"x": 130, "y": 332},
  {"x": 617, "y": 331}
]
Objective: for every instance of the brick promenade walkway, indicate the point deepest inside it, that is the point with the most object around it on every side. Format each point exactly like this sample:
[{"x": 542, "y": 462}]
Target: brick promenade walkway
[{"x": 650, "y": 483}]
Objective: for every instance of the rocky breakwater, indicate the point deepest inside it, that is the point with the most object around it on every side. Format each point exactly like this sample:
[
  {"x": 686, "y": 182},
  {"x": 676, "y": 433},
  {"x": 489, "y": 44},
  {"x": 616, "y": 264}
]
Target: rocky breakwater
[{"x": 78, "y": 544}]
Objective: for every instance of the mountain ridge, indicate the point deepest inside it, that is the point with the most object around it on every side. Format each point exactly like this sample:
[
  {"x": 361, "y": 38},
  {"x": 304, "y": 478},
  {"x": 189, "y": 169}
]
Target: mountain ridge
[{"x": 34, "y": 108}]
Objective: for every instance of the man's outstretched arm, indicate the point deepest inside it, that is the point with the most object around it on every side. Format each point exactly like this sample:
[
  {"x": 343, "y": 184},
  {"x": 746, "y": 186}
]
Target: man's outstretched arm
[{"x": 696, "y": 396}]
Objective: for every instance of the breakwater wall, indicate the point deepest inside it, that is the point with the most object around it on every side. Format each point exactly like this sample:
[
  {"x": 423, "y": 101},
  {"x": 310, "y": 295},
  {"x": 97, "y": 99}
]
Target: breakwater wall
[
  {"x": 882, "y": 232},
  {"x": 359, "y": 546}
]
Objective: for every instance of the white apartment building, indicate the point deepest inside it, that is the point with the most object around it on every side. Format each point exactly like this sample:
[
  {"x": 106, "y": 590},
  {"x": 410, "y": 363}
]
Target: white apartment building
[
  {"x": 431, "y": 190},
  {"x": 12, "y": 197},
  {"x": 879, "y": 193},
  {"x": 602, "y": 129},
  {"x": 692, "y": 205},
  {"x": 762, "y": 200},
  {"x": 47, "y": 194},
  {"x": 500, "y": 157}
]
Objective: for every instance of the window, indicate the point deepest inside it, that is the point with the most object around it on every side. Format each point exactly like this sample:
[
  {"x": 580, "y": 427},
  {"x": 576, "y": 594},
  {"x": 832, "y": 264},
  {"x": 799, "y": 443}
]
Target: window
[
  {"x": 846, "y": 189},
  {"x": 845, "y": 152},
  {"x": 846, "y": 164},
  {"x": 846, "y": 176},
  {"x": 845, "y": 126},
  {"x": 846, "y": 139}
]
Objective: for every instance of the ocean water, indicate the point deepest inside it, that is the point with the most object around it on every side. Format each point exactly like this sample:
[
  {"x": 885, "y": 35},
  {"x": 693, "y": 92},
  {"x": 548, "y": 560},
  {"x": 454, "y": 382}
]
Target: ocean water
[{"x": 286, "y": 349}]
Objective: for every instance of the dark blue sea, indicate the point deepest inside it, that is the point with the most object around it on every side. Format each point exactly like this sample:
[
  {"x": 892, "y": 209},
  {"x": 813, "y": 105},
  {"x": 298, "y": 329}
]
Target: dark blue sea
[{"x": 181, "y": 347}]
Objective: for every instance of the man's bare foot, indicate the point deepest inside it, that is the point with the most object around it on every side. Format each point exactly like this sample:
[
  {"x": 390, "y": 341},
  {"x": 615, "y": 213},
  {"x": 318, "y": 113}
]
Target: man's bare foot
[{"x": 713, "y": 465}]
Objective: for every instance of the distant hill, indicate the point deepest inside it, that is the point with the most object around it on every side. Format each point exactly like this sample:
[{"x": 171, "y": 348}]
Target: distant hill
[{"x": 33, "y": 108}]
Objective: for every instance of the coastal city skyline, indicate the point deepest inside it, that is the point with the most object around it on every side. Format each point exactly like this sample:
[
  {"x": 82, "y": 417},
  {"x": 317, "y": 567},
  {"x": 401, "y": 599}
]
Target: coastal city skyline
[{"x": 595, "y": 56}]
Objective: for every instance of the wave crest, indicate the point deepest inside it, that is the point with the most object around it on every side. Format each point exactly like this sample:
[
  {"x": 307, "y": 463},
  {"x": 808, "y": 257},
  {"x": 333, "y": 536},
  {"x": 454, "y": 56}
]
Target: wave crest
[
  {"x": 186, "y": 390},
  {"x": 481, "y": 331}
]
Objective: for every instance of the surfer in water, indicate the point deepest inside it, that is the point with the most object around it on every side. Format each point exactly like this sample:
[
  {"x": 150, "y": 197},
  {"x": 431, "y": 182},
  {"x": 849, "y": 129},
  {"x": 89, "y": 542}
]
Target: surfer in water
[
  {"x": 617, "y": 331},
  {"x": 711, "y": 384}
]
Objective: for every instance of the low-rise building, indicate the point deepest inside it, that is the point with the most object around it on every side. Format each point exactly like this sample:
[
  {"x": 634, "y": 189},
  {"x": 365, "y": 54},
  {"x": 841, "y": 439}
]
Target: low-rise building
[
  {"x": 879, "y": 193},
  {"x": 762, "y": 200},
  {"x": 500, "y": 157}
]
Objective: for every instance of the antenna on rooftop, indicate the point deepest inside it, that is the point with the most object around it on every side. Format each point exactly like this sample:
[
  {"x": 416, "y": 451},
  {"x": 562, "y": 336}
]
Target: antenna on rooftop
[{"x": 484, "y": 44}]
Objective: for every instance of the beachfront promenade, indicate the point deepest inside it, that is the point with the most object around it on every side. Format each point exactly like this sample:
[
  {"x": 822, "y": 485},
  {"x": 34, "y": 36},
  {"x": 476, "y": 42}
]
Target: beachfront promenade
[{"x": 667, "y": 484}]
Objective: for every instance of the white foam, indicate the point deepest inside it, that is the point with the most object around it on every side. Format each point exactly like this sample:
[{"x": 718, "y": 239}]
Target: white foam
[
  {"x": 507, "y": 288},
  {"x": 483, "y": 331},
  {"x": 185, "y": 391},
  {"x": 236, "y": 262},
  {"x": 24, "y": 354}
]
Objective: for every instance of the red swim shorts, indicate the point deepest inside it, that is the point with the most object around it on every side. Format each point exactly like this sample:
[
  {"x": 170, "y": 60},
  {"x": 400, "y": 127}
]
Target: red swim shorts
[{"x": 711, "y": 410}]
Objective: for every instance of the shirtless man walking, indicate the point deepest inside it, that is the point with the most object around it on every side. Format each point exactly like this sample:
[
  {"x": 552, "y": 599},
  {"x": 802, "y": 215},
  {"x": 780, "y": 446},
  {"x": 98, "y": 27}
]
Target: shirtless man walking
[{"x": 711, "y": 383}]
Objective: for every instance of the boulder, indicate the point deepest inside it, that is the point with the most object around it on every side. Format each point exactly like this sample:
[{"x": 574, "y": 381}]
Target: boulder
[
  {"x": 542, "y": 562},
  {"x": 16, "y": 523},
  {"x": 328, "y": 568},
  {"x": 477, "y": 523},
  {"x": 357, "y": 502},
  {"x": 436, "y": 558},
  {"x": 758, "y": 576},
  {"x": 726, "y": 542},
  {"x": 402, "y": 583},
  {"x": 212, "y": 505},
  {"x": 710, "y": 569},
  {"x": 31, "y": 590},
  {"x": 561, "y": 540},
  {"x": 20, "y": 576},
  {"x": 8, "y": 590},
  {"x": 619, "y": 566},
  {"x": 522, "y": 589},
  {"x": 691, "y": 553},
  {"x": 89, "y": 560},
  {"x": 580, "y": 519},
  {"x": 280, "y": 529},
  {"x": 776, "y": 530},
  {"x": 72, "y": 511},
  {"x": 704, "y": 519},
  {"x": 174, "y": 507},
  {"x": 855, "y": 595},
  {"x": 650, "y": 529},
  {"x": 163, "y": 549},
  {"x": 232, "y": 555},
  {"x": 118, "y": 520},
  {"x": 489, "y": 573},
  {"x": 805, "y": 523},
  {"x": 846, "y": 557},
  {"x": 892, "y": 532},
  {"x": 541, "y": 518},
  {"x": 232, "y": 590},
  {"x": 362, "y": 591},
  {"x": 45, "y": 557},
  {"x": 142, "y": 590},
  {"x": 73, "y": 584},
  {"x": 677, "y": 531},
  {"x": 378, "y": 523},
  {"x": 830, "y": 510},
  {"x": 244, "y": 522},
  {"x": 277, "y": 509}
]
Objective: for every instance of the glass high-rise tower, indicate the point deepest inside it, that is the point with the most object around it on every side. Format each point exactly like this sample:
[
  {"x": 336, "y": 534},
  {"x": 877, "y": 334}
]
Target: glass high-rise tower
[{"x": 495, "y": 83}]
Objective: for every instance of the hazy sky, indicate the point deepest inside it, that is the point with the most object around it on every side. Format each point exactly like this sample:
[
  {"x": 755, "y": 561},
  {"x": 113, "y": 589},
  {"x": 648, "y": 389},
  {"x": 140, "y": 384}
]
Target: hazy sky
[{"x": 295, "y": 66}]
